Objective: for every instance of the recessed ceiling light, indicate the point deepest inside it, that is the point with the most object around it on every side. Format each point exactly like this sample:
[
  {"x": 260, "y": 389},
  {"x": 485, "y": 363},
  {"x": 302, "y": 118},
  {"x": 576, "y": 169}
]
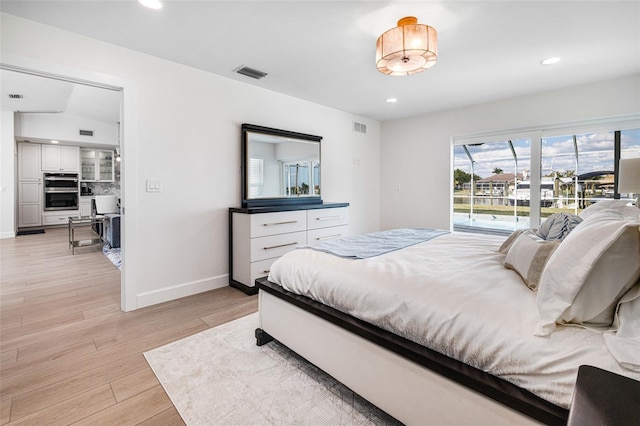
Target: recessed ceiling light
[
  {"x": 392, "y": 100},
  {"x": 550, "y": 61},
  {"x": 55, "y": 142},
  {"x": 151, "y": 4}
]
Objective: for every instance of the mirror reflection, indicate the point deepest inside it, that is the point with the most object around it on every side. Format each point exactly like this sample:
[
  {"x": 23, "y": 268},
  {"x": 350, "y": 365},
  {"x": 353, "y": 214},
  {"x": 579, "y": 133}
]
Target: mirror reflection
[{"x": 279, "y": 166}]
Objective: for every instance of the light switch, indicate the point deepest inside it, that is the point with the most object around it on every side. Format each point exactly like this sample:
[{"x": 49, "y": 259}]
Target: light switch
[{"x": 154, "y": 185}]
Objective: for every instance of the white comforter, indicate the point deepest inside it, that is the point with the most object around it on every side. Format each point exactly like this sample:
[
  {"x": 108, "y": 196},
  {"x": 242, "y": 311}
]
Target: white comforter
[{"x": 454, "y": 295}]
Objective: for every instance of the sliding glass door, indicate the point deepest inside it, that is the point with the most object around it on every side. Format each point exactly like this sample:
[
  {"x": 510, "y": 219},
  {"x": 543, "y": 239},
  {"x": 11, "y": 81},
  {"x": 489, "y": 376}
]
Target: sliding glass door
[
  {"x": 504, "y": 183},
  {"x": 488, "y": 184}
]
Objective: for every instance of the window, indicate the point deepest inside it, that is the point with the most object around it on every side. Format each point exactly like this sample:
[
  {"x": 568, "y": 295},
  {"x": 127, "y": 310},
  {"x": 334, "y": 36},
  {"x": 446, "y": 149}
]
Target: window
[
  {"x": 630, "y": 148},
  {"x": 316, "y": 177},
  {"x": 256, "y": 177},
  {"x": 581, "y": 168},
  {"x": 491, "y": 184},
  {"x": 297, "y": 178},
  {"x": 501, "y": 184}
]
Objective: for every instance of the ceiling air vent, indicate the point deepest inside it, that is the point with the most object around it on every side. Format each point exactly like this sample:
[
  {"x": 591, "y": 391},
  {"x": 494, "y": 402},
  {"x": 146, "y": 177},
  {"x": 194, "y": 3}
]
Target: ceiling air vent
[
  {"x": 250, "y": 72},
  {"x": 359, "y": 127},
  {"x": 86, "y": 132},
  {"x": 15, "y": 96}
]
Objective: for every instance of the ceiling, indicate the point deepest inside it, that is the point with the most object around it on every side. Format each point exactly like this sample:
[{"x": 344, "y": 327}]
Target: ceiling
[
  {"x": 48, "y": 95},
  {"x": 324, "y": 51}
]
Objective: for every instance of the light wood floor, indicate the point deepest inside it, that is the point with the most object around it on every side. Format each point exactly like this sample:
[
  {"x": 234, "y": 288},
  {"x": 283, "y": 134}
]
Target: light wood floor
[{"x": 69, "y": 355}]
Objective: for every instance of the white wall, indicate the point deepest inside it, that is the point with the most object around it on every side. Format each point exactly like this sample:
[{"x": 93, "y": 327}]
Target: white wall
[
  {"x": 66, "y": 129},
  {"x": 417, "y": 151},
  {"x": 7, "y": 176},
  {"x": 182, "y": 126}
]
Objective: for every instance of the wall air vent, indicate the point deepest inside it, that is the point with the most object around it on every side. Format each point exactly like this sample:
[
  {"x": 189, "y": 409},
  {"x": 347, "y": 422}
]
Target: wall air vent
[
  {"x": 250, "y": 72},
  {"x": 15, "y": 96},
  {"x": 359, "y": 127},
  {"x": 86, "y": 132}
]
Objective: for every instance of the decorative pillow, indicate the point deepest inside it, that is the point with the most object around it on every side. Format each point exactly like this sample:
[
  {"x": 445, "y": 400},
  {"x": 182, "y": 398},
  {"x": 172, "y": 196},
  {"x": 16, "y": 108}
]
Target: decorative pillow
[
  {"x": 558, "y": 225},
  {"x": 589, "y": 272},
  {"x": 618, "y": 205},
  {"x": 504, "y": 248},
  {"x": 528, "y": 255}
]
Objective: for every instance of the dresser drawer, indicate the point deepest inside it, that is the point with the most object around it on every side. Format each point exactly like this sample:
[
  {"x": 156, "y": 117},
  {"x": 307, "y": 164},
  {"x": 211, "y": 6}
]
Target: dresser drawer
[
  {"x": 278, "y": 223},
  {"x": 261, "y": 269},
  {"x": 276, "y": 245},
  {"x": 324, "y": 218},
  {"x": 317, "y": 236}
]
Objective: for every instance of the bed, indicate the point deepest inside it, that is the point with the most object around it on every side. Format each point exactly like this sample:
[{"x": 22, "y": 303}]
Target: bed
[{"x": 442, "y": 329}]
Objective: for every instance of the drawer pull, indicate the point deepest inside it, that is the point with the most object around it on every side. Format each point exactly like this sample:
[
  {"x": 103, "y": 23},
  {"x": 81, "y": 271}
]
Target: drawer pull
[
  {"x": 328, "y": 217},
  {"x": 281, "y": 245},
  {"x": 280, "y": 223},
  {"x": 328, "y": 237},
  {"x": 266, "y": 271}
]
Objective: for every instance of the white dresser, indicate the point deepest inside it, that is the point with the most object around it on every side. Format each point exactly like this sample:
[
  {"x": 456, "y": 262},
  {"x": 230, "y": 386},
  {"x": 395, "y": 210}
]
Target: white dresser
[{"x": 258, "y": 236}]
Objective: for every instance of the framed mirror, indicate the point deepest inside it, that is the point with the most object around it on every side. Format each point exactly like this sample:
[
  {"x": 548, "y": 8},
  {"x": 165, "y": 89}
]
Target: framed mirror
[{"x": 279, "y": 167}]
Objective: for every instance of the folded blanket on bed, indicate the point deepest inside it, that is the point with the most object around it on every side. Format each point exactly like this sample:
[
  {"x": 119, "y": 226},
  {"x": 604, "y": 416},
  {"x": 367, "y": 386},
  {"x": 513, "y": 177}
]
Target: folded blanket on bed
[{"x": 376, "y": 243}]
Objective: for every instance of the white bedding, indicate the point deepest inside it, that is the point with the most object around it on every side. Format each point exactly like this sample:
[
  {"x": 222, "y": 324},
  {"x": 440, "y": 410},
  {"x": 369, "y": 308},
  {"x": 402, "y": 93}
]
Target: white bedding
[{"x": 454, "y": 295}]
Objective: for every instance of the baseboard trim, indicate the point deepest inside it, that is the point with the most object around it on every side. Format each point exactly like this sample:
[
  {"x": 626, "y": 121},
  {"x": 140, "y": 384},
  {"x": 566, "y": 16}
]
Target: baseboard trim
[
  {"x": 4, "y": 235},
  {"x": 181, "y": 290}
]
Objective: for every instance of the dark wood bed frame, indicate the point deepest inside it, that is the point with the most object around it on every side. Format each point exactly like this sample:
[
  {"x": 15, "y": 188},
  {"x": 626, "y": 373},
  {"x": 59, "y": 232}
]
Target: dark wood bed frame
[{"x": 493, "y": 387}]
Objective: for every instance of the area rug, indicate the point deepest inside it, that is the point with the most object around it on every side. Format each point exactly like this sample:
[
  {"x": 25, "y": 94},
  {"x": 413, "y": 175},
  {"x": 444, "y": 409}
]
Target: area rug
[
  {"x": 113, "y": 254},
  {"x": 220, "y": 377}
]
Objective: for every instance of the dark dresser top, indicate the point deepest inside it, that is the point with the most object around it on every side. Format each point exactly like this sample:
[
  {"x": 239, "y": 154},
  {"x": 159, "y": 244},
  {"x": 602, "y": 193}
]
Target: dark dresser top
[{"x": 286, "y": 208}]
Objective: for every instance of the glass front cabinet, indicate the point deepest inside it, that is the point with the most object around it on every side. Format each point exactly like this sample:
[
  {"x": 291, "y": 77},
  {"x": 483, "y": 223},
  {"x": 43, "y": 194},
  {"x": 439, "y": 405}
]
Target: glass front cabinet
[{"x": 96, "y": 165}]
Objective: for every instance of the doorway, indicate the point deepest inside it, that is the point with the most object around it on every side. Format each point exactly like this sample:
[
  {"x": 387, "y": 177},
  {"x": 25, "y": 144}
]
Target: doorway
[{"x": 40, "y": 97}]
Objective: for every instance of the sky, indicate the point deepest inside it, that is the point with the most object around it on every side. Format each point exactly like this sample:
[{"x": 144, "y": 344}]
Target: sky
[{"x": 595, "y": 153}]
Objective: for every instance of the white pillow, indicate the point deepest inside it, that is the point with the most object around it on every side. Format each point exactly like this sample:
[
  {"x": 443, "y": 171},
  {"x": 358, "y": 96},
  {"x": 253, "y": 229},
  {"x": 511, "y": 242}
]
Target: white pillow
[
  {"x": 528, "y": 255},
  {"x": 589, "y": 272},
  {"x": 618, "y": 205},
  {"x": 506, "y": 245},
  {"x": 624, "y": 345}
]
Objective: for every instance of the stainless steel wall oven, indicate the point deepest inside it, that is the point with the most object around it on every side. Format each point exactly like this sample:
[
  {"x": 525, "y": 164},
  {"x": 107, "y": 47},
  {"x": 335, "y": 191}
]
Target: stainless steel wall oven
[{"x": 61, "y": 191}]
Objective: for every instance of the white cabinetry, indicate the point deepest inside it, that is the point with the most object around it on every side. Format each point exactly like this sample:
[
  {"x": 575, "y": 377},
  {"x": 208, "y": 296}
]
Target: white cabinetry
[
  {"x": 29, "y": 162},
  {"x": 97, "y": 165},
  {"x": 60, "y": 158},
  {"x": 257, "y": 239},
  {"x": 30, "y": 204},
  {"x": 29, "y": 185},
  {"x": 60, "y": 217},
  {"x": 85, "y": 206}
]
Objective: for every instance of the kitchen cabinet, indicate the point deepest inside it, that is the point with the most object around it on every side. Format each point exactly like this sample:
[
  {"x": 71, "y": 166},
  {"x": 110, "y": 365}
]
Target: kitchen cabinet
[
  {"x": 60, "y": 158},
  {"x": 29, "y": 169},
  {"x": 59, "y": 217},
  {"x": 97, "y": 165},
  {"x": 259, "y": 236},
  {"x": 29, "y": 185},
  {"x": 85, "y": 206},
  {"x": 29, "y": 204}
]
